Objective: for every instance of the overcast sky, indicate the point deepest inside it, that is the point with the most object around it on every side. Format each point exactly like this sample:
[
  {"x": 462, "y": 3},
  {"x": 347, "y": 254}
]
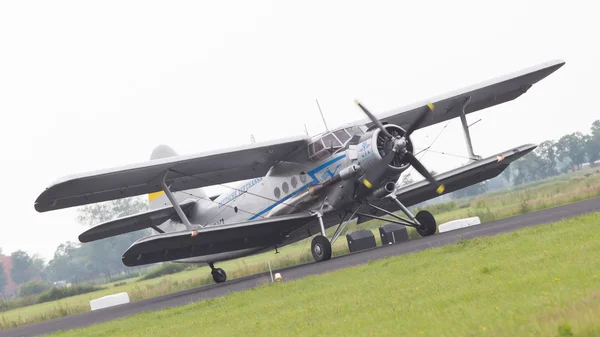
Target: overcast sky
[{"x": 91, "y": 85}]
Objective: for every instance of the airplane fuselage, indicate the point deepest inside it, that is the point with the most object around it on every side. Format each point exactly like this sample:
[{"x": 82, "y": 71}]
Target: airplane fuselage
[{"x": 286, "y": 189}]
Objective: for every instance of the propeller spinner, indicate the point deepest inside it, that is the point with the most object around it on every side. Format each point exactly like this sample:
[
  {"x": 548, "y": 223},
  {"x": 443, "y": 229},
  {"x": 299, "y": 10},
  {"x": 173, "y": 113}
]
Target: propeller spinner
[{"x": 398, "y": 148}]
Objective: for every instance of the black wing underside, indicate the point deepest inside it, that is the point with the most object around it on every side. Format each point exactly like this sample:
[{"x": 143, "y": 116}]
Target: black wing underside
[
  {"x": 215, "y": 240},
  {"x": 456, "y": 179}
]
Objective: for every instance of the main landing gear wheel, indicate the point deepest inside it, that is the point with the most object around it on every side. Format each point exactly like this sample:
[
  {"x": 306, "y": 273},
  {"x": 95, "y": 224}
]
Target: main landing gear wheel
[
  {"x": 218, "y": 274},
  {"x": 321, "y": 248},
  {"x": 427, "y": 222}
]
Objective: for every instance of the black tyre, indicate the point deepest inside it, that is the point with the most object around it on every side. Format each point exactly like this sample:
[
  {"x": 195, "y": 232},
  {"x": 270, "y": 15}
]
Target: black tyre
[
  {"x": 321, "y": 248},
  {"x": 427, "y": 221},
  {"x": 219, "y": 275}
]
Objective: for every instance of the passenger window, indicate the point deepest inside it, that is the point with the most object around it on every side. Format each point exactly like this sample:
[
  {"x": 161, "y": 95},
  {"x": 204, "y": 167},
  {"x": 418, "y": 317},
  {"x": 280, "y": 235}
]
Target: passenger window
[
  {"x": 294, "y": 182},
  {"x": 277, "y": 192},
  {"x": 303, "y": 177},
  {"x": 285, "y": 187}
]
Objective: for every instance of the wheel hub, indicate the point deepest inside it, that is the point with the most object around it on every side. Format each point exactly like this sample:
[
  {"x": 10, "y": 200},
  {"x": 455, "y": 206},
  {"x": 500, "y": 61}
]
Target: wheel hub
[{"x": 318, "y": 250}]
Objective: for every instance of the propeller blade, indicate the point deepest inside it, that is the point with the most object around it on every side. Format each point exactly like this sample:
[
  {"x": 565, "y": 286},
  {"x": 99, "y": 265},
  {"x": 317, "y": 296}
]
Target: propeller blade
[
  {"x": 419, "y": 120},
  {"x": 374, "y": 120},
  {"x": 423, "y": 171}
]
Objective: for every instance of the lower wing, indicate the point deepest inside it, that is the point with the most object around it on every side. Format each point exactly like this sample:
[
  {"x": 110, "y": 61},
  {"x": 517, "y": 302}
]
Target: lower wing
[
  {"x": 456, "y": 179},
  {"x": 214, "y": 240}
]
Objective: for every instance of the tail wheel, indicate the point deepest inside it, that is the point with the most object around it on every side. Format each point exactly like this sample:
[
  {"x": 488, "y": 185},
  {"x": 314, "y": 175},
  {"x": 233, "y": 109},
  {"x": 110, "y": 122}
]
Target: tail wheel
[
  {"x": 427, "y": 221},
  {"x": 321, "y": 248}
]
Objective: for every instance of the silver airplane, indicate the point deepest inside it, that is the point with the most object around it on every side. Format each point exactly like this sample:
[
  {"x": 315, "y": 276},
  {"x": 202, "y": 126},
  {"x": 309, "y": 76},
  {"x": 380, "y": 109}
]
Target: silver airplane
[{"x": 287, "y": 190}]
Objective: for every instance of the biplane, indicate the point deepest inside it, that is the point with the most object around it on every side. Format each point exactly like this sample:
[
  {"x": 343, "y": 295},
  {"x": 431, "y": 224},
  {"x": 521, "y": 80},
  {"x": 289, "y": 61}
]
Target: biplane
[{"x": 283, "y": 191}]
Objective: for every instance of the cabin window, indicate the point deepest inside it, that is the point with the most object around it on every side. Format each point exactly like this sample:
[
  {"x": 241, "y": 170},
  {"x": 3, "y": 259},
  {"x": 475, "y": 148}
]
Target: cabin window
[
  {"x": 277, "y": 192},
  {"x": 294, "y": 182},
  {"x": 303, "y": 177},
  {"x": 285, "y": 187}
]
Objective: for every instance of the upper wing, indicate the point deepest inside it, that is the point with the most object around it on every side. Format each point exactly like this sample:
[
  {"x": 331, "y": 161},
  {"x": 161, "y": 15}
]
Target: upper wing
[
  {"x": 184, "y": 172},
  {"x": 214, "y": 240},
  {"x": 133, "y": 222},
  {"x": 483, "y": 95},
  {"x": 456, "y": 179}
]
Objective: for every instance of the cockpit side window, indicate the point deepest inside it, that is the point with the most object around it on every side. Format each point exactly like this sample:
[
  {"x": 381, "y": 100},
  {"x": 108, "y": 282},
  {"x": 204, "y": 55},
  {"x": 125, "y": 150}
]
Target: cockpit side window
[
  {"x": 324, "y": 146},
  {"x": 355, "y": 130},
  {"x": 318, "y": 146},
  {"x": 331, "y": 142},
  {"x": 342, "y": 135}
]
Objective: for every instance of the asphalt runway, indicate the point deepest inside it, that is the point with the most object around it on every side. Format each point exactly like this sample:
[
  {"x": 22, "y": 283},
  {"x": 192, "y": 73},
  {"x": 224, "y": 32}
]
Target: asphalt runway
[{"x": 299, "y": 271}]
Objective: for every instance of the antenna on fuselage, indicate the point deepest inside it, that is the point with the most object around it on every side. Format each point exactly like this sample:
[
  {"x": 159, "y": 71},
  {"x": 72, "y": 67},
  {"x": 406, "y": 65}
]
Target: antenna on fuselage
[
  {"x": 326, "y": 128},
  {"x": 252, "y": 139},
  {"x": 306, "y": 130}
]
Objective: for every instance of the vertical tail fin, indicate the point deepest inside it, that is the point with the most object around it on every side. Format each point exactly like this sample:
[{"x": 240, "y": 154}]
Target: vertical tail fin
[{"x": 159, "y": 199}]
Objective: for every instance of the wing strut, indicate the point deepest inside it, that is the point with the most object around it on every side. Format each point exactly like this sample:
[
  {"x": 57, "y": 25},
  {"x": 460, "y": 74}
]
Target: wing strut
[
  {"x": 463, "y": 120},
  {"x": 174, "y": 202}
]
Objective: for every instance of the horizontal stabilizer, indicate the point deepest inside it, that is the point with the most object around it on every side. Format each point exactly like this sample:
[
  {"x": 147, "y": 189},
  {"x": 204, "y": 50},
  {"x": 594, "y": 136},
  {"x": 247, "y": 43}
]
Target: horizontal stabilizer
[
  {"x": 133, "y": 222},
  {"x": 215, "y": 239}
]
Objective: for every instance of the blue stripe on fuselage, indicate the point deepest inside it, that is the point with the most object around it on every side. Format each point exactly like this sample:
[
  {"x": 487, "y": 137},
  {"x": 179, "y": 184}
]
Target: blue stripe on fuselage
[{"x": 314, "y": 181}]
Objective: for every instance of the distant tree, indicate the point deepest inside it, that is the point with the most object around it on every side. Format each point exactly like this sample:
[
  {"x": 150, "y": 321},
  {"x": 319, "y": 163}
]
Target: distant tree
[
  {"x": 3, "y": 280},
  {"x": 471, "y": 191},
  {"x": 596, "y": 129},
  {"x": 573, "y": 147},
  {"x": 104, "y": 256},
  {"x": 592, "y": 143},
  {"x": 68, "y": 264},
  {"x": 94, "y": 214},
  {"x": 507, "y": 174},
  {"x": 38, "y": 266},
  {"x": 546, "y": 152},
  {"x": 527, "y": 169},
  {"x": 22, "y": 267}
]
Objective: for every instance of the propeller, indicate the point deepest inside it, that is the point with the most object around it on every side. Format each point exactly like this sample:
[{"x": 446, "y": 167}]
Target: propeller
[{"x": 399, "y": 148}]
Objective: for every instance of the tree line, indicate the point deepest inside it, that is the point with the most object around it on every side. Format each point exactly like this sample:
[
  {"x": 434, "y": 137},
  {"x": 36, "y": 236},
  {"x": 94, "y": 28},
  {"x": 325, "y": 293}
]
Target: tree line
[{"x": 74, "y": 262}]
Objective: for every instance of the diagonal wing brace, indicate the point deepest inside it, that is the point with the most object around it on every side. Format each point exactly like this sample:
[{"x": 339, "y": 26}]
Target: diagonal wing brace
[{"x": 174, "y": 202}]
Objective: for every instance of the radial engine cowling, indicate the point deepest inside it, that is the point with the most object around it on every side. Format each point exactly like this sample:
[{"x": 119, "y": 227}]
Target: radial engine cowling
[{"x": 375, "y": 146}]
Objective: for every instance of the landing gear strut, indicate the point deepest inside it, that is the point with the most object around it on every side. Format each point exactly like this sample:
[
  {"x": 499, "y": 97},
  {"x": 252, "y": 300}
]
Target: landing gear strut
[
  {"x": 218, "y": 274},
  {"x": 423, "y": 222}
]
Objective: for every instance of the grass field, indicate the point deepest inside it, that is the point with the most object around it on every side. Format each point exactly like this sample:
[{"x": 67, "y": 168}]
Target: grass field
[
  {"x": 500, "y": 204},
  {"x": 539, "y": 281}
]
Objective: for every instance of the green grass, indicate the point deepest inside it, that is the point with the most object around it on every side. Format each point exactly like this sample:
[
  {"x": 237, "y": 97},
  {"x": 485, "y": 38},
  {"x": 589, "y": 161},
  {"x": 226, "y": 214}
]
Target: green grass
[
  {"x": 499, "y": 204},
  {"x": 538, "y": 281}
]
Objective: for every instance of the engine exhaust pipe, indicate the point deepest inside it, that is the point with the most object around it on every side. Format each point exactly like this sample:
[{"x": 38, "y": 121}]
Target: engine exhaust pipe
[{"x": 384, "y": 190}]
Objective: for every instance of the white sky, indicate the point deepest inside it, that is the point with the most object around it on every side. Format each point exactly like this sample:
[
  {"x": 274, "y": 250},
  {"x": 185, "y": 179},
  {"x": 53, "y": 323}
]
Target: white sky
[{"x": 91, "y": 85}]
